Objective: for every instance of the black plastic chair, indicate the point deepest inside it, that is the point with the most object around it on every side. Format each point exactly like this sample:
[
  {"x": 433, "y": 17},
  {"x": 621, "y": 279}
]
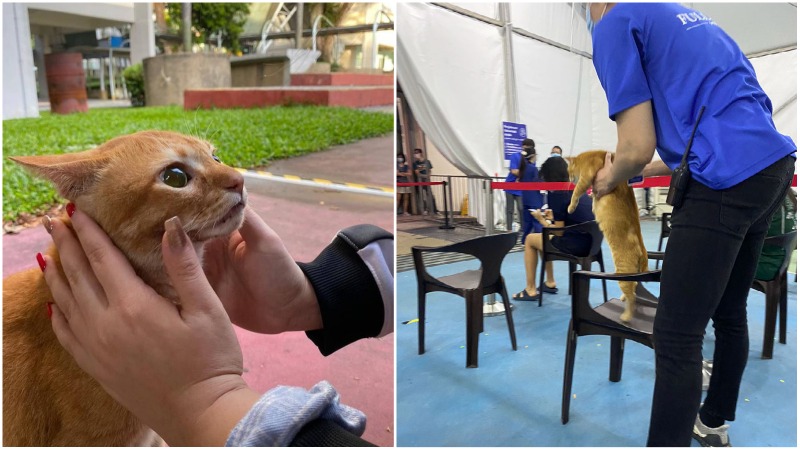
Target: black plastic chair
[
  {"x": 776, "y": 293},
  {"x": 666, "y": 228},
  {"x": 470, "y": 284},
  {"x": 604, "y": 320},
  {"x": 550, "y": 253}
]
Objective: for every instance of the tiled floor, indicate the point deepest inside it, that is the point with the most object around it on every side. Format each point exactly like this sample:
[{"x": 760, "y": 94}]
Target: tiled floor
[{"x": 514, "y": 398}]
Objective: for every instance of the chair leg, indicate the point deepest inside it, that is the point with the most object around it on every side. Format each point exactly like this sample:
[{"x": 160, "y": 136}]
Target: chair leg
[
  {"x": 509, "y": 318},
  {"x": 421, "y": 322},
  {"x": 783, "y": 311},
  {"x": 474, "y": 326},
  {"x": 617, "y": 352},
  {"x": 772, "y": 294},
  {"x": 660, "y": 241},
  {"x": 603, "y": 269},
  {"x": 569, "y": 365},
  {"x": 572, "y": 268}
]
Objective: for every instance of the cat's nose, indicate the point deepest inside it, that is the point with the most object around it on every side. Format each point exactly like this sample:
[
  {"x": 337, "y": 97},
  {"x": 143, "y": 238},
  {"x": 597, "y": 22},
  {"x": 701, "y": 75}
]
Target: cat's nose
[{"x": 235, "y": 182}]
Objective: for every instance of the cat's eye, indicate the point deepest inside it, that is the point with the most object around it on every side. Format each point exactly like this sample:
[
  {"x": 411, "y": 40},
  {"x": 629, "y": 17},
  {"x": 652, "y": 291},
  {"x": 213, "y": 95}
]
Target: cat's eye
[
  {"x": 216, "y": 158},
  {"x": 175, "y": 177}
]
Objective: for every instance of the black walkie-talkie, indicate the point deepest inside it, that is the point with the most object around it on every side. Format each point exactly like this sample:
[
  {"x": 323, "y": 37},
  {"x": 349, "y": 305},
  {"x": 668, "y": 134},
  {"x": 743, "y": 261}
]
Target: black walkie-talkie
[{"x": 681, "y": 175}]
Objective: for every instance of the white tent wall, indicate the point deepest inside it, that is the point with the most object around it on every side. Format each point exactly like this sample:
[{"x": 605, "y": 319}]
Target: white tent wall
[{"x": 451, "y": 68}]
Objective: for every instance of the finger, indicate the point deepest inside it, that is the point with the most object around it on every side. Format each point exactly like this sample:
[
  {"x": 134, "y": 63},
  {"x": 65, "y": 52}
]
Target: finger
[
  {"x": 63, "y": 331},
  {"x": 608, "y": 159},
  {"x": 80, "y": 279},
  {"x": 112, "y": 269},
  {"x": 186, "y": 272},
  {"x": 256, "y": 232},
  {"x": 59, "y": 288}
]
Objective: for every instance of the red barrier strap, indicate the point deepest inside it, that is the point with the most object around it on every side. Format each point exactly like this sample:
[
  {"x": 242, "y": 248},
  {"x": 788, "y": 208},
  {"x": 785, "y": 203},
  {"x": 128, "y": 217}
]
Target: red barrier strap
[
  {"x": 661, "y": 181},
  {"x": 420, "y": 183}
]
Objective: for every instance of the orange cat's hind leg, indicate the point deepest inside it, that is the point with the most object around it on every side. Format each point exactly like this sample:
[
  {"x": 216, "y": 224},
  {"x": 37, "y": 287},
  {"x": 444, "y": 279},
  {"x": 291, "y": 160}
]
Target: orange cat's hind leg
[{"x": 629, "y": 297}]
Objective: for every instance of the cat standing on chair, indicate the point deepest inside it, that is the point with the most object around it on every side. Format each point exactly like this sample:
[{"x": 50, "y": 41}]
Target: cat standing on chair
[
  {"x": 130, "y": 186},
  {"x": 618, "y": 217}
]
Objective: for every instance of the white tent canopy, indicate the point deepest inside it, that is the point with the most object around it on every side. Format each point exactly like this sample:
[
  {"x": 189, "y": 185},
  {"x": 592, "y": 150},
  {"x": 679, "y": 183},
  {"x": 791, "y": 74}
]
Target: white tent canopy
[{"x": 462, "y": 79}]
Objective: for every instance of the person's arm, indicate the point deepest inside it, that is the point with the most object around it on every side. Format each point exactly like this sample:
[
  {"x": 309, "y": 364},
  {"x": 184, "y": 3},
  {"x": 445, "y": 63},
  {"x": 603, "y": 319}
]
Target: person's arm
[
  {"x": 354, "y": 284},
  {"x": 656, "y": 168},
  {"x": 537, "y": 214},
  {"x": 636, "y": 145}
]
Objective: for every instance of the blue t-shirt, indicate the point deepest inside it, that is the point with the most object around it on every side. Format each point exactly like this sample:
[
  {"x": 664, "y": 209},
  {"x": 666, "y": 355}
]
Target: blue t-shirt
[
  {"x": 531, "y": 199},
  {"x": 513, "y": 164},
  {"x": 558, "y": 201},
  {"x": 682, "y": 60},
  {"x": 402, "y": 167}
]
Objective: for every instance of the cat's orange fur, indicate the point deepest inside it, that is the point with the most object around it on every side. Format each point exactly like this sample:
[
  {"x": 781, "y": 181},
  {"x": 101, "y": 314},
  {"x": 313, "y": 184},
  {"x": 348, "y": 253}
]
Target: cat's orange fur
[
  {"x": 47, "y": 399},
  {"x": 618, "y": 217}
]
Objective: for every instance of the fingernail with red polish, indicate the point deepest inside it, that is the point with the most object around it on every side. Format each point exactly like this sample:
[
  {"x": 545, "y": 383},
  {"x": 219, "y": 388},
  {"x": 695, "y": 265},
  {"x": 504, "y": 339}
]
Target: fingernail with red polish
[
  {"x": 50, "y": 310},
  {"x": 48, "y": 224},
  {"x": 70, "y": 209},
  {"x": 40, "y": 260}
]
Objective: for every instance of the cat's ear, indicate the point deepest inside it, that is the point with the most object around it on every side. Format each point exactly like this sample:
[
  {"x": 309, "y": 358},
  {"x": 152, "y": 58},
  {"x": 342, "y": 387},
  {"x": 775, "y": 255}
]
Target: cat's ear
[{"x": 71, "y": 173}]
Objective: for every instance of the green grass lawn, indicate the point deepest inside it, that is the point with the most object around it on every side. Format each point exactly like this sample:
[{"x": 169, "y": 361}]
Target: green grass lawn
[{"x": 245, "y": 138}]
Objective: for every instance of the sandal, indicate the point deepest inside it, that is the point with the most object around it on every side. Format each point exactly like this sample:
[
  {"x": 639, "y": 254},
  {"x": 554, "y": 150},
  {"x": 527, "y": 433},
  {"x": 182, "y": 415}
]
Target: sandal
[
  {"x": 548, "y": 289},
  {"x": 523, "y": 296}
]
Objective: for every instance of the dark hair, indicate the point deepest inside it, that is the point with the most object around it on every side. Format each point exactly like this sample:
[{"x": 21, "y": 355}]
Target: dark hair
[
  {"x": 523, "y": 163},
  {"x": 554, "y": 169},
  {"x": 417, "y": 150},
  {"x": 558, "y": 147}
]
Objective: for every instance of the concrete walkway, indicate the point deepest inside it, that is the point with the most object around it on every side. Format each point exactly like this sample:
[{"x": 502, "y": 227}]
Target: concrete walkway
[{"x": 306, "y": 218}]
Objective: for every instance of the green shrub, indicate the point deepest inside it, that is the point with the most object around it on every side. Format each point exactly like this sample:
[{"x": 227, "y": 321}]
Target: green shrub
[{"x": 134, "y": 79}]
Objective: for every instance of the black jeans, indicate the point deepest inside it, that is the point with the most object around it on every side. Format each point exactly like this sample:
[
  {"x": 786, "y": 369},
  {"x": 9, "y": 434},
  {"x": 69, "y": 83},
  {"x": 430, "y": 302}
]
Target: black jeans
[
  {"x": 710, "y": 263},
  {"x": 513, "y": 202}
]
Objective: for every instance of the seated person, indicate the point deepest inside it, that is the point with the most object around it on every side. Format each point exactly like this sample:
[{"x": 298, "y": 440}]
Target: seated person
[
  {"x": 572, "y": 242},
  {"x": 784, "y": 220}
]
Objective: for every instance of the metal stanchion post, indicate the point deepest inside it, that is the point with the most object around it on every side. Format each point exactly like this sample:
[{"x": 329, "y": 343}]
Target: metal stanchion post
[
  {"x": 446, "y": 225},
  {"x": 493, "y": 307}
]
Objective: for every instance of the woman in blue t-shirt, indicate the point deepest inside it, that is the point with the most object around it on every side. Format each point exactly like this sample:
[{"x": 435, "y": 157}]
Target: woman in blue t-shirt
[
  {"x": 659, "y": 65},
  {"x": 573, "y": 242},
  {"x": 531, "y": 199}
]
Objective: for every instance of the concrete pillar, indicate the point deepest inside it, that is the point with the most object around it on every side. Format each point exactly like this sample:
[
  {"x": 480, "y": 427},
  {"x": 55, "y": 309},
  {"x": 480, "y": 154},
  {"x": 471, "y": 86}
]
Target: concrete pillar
[
  {"x": 19, "y": 80},
  {"x": 143, "y": 37},
  {"x": 38, "y": 60}
]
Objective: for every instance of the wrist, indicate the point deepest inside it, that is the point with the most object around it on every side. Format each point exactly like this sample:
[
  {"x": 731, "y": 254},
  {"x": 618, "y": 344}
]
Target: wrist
[{"x": 208, "y": 411}]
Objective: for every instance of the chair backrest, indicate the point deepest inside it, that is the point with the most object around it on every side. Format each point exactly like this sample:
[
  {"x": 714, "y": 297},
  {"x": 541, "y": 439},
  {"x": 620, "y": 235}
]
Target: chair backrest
[
  {"x": 786, "y": 241},
  {"x": 591, "y": 228},
  {"x": 489, "y": 250},
  {"x": 666, "y": 225}
]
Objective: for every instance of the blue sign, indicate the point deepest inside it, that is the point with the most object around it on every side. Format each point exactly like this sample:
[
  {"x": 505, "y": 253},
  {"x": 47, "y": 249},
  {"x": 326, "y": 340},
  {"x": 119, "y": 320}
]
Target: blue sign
[{"x": 513, "y": 135}]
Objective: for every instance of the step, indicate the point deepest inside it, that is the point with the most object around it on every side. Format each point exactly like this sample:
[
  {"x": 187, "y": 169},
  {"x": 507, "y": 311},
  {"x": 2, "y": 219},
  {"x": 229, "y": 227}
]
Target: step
[
  {"x": 347, "y": 96},
  {"x": 342, "y": 79}
]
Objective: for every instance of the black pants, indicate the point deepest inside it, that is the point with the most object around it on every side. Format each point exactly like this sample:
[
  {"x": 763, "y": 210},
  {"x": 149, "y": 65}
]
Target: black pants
[
  {"x": 710, "y": 263},
  {"x": 513, "y": 203}
]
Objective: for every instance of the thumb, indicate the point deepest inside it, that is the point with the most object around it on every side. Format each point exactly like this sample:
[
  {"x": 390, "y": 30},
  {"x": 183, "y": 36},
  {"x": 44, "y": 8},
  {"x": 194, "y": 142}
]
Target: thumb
[{"x": 185, "y": 271}]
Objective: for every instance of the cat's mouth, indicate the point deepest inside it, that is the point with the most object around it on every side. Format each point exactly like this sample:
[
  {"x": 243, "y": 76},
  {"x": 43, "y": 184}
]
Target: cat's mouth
[{"x": 225, "y": 225}]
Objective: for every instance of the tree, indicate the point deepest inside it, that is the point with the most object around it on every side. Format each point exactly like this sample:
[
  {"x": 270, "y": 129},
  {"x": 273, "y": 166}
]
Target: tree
[
  {"x": 209, "y": 19},
  {"x": 335, "y": 12}
]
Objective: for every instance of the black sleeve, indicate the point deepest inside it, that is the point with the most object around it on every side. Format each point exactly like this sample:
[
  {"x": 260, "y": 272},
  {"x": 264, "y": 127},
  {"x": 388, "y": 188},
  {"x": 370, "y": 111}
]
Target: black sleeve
[
  {"x": 349, "y": 298},
  {"x": 326, "y": 433}
]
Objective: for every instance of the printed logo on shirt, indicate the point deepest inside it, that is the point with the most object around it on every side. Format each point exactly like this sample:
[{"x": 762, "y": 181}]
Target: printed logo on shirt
[{"x": 694, "y": 19}]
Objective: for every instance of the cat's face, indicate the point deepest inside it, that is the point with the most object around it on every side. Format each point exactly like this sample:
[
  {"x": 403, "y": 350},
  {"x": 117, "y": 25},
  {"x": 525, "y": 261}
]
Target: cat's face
[
  {"x": 586, "y": 164},
  {"x": 132, "y": 184}
]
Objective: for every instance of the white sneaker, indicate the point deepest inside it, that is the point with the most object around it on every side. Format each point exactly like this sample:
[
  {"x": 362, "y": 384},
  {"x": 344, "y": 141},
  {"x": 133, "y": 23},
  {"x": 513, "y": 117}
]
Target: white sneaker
[{"x": 710, "y": 437}]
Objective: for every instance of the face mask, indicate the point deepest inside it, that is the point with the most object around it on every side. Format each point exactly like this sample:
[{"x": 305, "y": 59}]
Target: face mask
[
  {"x": 400, "y": 160},
  {"x": 555, "y": 154},
  {"x": 419, "y": 157}
]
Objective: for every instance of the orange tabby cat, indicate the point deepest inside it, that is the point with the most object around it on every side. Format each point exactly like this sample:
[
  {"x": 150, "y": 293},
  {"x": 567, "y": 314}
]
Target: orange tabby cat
[
  {"x": 618, "y": 217},
  {"x": 129, "y": 186}
]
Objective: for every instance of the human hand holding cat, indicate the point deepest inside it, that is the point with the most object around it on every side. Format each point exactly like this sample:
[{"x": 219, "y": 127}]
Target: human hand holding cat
[
  {"x": 602, "y": 184},
  {"x": 260, "y": 284},
  {"x": 177, "y": 369}
]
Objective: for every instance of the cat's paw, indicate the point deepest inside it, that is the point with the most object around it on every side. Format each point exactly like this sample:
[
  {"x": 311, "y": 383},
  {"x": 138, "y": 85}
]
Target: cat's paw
[
  {"x": 571, "y": 208},
  {"x": 626, "y": 316}
]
